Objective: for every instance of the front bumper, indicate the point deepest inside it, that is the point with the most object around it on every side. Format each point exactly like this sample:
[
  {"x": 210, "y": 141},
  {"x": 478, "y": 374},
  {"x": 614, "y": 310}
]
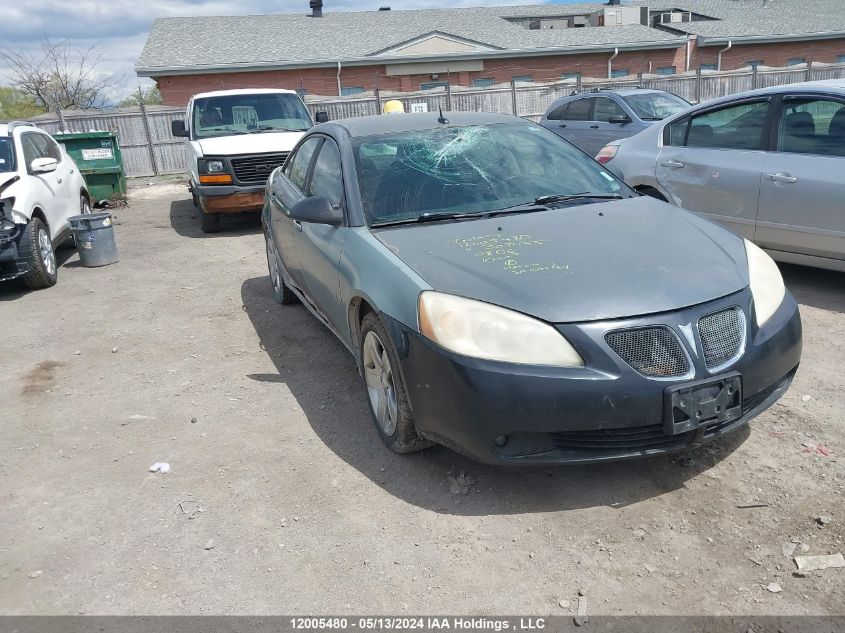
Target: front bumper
[
  {"x": 229, "y": 198},
  {"x": 15, "y": 260},
  {"x": 605, "y": 411}
]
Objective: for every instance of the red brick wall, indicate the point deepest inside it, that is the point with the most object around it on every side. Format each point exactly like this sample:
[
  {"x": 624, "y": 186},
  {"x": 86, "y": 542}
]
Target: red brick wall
[
  {"x": 176, "y": 90},
  {"x": 771, "y": 54}
]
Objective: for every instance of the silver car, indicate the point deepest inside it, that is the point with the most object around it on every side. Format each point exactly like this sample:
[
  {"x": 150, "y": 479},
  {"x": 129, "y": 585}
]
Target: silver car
[
  {"x": 768, "y": 164},
  {"x": 590, "y": 120}
]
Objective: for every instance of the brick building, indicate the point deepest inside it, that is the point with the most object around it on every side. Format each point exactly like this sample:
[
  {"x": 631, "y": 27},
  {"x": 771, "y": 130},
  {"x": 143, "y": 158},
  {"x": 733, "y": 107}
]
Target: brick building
[{"x": 335, "y": 53}]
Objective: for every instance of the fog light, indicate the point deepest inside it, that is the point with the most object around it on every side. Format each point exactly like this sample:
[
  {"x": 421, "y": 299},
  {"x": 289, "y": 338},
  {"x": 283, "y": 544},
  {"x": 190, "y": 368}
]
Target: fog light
[{"x": 501, "y": 440}]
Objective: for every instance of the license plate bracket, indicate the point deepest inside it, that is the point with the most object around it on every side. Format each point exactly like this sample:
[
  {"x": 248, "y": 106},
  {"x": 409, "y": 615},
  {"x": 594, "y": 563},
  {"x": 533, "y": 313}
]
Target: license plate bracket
[{"x": 695, "y": 404}]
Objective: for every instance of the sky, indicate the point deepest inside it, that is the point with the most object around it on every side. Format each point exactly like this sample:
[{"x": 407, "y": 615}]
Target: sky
[{"x": 120, "y": 27}]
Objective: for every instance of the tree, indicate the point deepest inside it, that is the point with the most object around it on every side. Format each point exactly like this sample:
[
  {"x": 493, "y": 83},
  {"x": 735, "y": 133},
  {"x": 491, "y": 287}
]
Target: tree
[
  {"x": 148, "y": 96},
  {"x": 16, "y": 105},
  {"x": 60, "y": 76}
]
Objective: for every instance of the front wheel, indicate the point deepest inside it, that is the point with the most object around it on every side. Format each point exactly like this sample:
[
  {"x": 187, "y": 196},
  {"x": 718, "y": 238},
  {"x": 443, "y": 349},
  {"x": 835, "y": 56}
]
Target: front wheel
[
  {"x": 210, "y": 222},
  {"x": 44, "y": 271},
  {"x": 84, "y": 205},
  {"x": 281, "y": 292},
  {"x": 387, "y": 395}
]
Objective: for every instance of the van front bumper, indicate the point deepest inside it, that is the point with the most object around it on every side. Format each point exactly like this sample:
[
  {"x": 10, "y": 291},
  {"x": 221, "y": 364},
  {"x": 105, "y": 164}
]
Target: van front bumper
[{"x": 229, "y": 198}]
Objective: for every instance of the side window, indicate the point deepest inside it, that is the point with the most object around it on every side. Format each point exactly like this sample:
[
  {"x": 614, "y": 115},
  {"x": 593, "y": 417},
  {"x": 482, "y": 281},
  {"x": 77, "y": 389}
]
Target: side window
[
  {"x": 605, "y": 108},
  {"x": 580, "y": 110},
  {"x": 558, "y": 113},
  {"x": 298, "y": 170},
  {"x": 326, "y": 179},
  {"x": 30, "y": 149},
  {"x": 812, "y": 126},
  {"x": 51, "y": 147},
  {"x": 732, "y": 127}
]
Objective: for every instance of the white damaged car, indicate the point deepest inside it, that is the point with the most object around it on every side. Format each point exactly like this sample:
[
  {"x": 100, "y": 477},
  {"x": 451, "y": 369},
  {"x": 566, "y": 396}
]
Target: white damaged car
[{"x": 40, "y": 188}]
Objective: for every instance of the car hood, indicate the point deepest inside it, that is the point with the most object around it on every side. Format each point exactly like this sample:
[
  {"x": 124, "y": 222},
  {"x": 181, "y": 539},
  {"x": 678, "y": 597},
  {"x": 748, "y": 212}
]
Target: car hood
[
  {"x": 262, "y": 143},
  {"x": 594, "y": 261}
]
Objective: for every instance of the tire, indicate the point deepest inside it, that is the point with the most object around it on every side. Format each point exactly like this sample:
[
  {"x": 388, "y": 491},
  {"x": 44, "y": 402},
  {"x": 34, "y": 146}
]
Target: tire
[
  {"x": 210, "y": 222},
  {"x": 44, "y": 271},
  {"x": 281, "y": 292},
  {"x": 386, "y": 392},
  {"x": 84, "y": 205}
]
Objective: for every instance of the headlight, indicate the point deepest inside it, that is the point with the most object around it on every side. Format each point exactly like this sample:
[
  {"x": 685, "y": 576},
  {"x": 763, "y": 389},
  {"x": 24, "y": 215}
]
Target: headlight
[
  {"x": 215, "y": 167},
  {"x": 213, "y": 172},
  {"x": 766, "y": 282},
  {"x": 481, "y": 330}
]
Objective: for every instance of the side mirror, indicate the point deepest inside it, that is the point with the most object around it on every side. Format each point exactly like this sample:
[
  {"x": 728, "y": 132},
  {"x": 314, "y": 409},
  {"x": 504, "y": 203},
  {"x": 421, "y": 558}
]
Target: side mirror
[
  {"x": 321, "y": 117},
  {"x": 177, "y": 128},
  {"x": 621, "y": 119},
  {"x": 317, "y": 210},
  {"x": 43, "y": 165}
]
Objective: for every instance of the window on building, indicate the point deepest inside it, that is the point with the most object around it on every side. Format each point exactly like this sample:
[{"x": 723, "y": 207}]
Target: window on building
[
  {"x": 523, "y": 78},
  {"x": 571, "y": 75},
  {"x": 709, "y": 67},
  {"x": 483, "y": 82},
  {"x": 794, "y": 61},
  {"x": 621, "y": 72},
  {"x": 812, "y": 126},
  {"x": 840, "y": 59},
  {"x": 666, "y": 70},
  {"x": 431, "y": 85},
  {"x": 737, "y": 126},
  {"x": 351, "y": 90},
  {"x": 753, "y": 63}
]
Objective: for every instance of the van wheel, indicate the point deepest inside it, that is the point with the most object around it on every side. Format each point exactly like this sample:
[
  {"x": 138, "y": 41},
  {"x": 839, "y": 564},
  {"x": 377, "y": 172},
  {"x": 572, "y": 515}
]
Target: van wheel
[
  {"x": 44, "y": 271},
  {"x": 387, "y": 395},
  {"x": 210, "y": 222}
]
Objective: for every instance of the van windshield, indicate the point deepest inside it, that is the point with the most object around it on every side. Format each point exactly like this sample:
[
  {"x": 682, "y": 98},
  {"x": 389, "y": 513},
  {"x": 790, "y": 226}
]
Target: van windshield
[{"x": 249, "y": 114}]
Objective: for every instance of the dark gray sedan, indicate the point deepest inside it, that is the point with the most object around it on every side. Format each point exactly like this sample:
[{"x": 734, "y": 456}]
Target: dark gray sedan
[{"x": 506, "y": 296}]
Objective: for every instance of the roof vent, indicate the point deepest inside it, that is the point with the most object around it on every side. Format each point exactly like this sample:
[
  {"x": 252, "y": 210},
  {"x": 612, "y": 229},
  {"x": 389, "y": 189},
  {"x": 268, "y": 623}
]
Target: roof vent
[
  {"x": 316, "y": 8},
  {"x": 384, "y": 8},
  {"x": 614, "y": 3}
]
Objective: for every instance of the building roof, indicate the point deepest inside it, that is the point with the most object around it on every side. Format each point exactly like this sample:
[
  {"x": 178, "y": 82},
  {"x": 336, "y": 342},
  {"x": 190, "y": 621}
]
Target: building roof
[
  {"x": 220, "y": 43},
  {"x": 194, "y": 44},
  {"x": 755, "y": 20}
]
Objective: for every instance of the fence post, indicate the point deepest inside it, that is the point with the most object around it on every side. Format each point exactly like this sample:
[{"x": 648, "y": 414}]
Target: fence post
[
  {"x": 62, "y": 123},
  {"x": 513, "y": 94},
  {"x": 146, "y": 123},
  {"x": 640, "y": 79},
  {"x": 754, "y": 77},
  {"x": 377, "y": 93},
  {"x": 578, "y": 83},
  {"x": 698, "y": 85},
  {"x": 448, "y": 95},
  {"x": 810, "y": 70}
]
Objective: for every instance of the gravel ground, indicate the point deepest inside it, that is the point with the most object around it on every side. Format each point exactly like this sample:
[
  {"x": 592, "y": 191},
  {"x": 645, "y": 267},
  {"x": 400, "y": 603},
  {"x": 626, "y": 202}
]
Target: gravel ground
[{"x": 281, "y": 498}]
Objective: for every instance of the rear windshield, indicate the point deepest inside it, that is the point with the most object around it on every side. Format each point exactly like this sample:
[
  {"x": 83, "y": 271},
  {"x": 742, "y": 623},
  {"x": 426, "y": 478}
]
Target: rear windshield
[
  {"x": 655, "y": 106},
  {"x": 7, "y": 154},
  {"x": 471, "y": 169},
  {"x": 249, "y": 114}
]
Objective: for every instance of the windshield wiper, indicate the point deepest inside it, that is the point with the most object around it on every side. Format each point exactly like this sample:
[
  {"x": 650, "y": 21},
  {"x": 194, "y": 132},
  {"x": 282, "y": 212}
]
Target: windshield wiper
[
  {"x": 270, "y": 128},
  {"x": 584, "y": 195},
  {"x": 228, "y": 130},
  {"x": 432, "y": 217}
]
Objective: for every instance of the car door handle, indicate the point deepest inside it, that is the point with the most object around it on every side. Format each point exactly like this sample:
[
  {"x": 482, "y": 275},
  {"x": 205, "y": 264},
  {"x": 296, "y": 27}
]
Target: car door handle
[
  {"x": 784, "y": 178},
  {"x": 298, "y": 225},
  {"x": 676, "y": 164},
  {"x": 594, "y": 127}
]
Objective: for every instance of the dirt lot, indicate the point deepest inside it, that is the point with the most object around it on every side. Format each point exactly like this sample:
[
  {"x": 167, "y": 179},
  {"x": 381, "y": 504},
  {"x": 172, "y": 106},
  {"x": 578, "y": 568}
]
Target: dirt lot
[{"x": 289, "y": 503}]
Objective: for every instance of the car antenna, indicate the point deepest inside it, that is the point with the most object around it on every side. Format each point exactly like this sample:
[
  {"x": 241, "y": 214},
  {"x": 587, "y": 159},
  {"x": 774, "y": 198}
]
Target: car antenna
[{"x": 442, "y": 119}]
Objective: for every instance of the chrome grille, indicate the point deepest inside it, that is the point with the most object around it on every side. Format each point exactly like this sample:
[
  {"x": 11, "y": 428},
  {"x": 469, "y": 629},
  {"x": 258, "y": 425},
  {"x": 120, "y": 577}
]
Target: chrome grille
[
  {"x": 652, "y": 351},
  {"x": 256, "y": 169},
  {"x": 722, "y": 336}
]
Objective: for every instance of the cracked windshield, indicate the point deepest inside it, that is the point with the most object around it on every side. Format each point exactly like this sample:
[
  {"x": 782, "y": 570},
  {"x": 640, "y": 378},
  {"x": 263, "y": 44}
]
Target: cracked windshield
[
  {"x": 249, "y": 114},
  {"x": 475, "y": 169}
]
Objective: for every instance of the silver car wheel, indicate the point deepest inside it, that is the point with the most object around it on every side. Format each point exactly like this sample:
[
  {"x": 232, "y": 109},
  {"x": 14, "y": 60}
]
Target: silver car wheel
[
  {"x": 84, "y": 205},
  {"x": 273, "y": 265},
  {"x": 45, "y": 249},
  {"x": 380, "y": 385}
]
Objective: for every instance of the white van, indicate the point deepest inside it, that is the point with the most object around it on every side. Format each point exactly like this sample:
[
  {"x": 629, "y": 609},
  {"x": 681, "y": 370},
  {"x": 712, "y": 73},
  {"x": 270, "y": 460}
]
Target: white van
[{"x": 237, "y": 137}]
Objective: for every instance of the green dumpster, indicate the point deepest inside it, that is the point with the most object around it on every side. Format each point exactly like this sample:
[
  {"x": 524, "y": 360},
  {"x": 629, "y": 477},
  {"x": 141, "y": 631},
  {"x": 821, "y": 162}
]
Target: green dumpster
[{"x": 97, "y": 154}]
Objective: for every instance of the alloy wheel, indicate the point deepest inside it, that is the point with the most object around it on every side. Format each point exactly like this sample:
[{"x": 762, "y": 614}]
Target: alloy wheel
[
  {"x": 381, "y": 387},
  {"x": 45, "y": 249}
]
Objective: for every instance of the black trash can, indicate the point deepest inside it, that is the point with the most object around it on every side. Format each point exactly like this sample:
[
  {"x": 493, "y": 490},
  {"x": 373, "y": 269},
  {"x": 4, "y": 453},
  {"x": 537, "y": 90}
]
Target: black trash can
[{"x": 93, "y": 234}]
